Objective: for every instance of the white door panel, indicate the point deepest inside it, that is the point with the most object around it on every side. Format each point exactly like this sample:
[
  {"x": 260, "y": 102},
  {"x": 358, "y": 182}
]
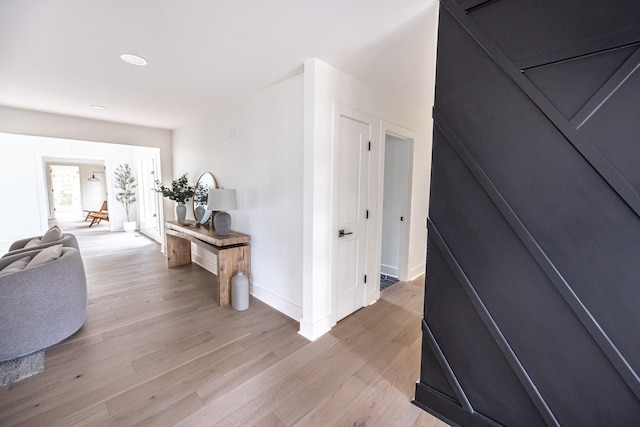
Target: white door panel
[{"x": 353, "y": 171}]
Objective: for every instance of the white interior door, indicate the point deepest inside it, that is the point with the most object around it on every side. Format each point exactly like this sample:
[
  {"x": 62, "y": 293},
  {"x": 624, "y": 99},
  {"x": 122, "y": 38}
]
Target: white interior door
[
  {"x": 396, "y": 209},
  {"x": 353, "y": 185}
]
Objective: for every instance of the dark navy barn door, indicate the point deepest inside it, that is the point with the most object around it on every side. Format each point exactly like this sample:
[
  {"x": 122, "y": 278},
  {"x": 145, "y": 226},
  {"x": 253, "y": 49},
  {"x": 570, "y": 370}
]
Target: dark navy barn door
[{"x": 532, "y": 296}]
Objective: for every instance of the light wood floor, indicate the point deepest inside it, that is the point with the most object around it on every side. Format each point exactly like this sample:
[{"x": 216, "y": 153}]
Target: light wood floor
[{"x": 157, "y": 350}]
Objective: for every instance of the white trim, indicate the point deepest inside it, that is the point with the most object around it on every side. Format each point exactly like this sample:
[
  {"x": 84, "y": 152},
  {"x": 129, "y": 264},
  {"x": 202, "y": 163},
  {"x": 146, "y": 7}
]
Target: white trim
[
  {"x": 389, "y": 270},
  {"x": 417, "y": 271},
  {"x": 42, "y": 158},
  {"x": 286, "y": 307},
  {"x": 313, "y": 331},
  {"x": 204, "y": 258},
  {"x": 151, "y": 233},
  {"x": 409, "y": 135}
]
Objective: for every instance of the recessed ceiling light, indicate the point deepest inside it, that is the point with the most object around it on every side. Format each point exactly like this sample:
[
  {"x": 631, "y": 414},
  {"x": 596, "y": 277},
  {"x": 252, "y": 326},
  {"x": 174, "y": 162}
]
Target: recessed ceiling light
[
  {"x": 99, "y": 107},
  {"x": 133, "y": 59}
]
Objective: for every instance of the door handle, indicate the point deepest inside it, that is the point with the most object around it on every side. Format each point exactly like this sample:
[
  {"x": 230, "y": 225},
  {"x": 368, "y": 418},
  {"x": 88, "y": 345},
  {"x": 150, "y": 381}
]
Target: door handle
[
  {"x": 341, "y": 233},
  {"x": 401, "y": 218}
]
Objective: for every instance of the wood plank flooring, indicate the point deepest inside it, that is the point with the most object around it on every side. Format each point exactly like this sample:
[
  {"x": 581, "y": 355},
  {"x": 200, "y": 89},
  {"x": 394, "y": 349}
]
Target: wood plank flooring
[{"x": 157, "y": 350}]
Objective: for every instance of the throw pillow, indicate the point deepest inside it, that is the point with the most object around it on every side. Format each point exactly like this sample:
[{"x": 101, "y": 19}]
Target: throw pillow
[
  {"x": 33, "y": 242},
  {"x": 48, "y": 254},
  {"x": 15, "y": 266},
  {"x": 52, "y": 234}
]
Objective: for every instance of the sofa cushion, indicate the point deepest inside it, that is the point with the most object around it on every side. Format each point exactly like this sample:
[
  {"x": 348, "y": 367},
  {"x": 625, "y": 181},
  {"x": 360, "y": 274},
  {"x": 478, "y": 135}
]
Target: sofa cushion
[
  {"x": 54, "y": 233},
  {"x": 33, "y": 242},
  {"x": 15, "y": 266},
  {"x": 48, "y": 254}
]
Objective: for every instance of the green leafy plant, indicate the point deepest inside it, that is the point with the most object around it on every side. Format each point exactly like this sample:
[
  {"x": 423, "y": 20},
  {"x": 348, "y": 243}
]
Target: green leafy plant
[
  {"x": 125, "y": 183},
  {"x": 180, "y": 191},
  {"x": 202, "y": 194}
]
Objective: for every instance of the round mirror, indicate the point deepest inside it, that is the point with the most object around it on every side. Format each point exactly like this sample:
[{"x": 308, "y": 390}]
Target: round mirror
[{"x": 206, "y": 182}]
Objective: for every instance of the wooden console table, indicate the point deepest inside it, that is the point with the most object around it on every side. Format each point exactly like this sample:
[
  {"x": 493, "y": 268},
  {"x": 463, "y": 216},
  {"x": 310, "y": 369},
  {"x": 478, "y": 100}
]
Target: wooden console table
[{"x": 233, "y": 252}]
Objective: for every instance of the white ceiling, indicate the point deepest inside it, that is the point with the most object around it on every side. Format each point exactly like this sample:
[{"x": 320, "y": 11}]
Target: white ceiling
[{"x": 63, "y": 56}]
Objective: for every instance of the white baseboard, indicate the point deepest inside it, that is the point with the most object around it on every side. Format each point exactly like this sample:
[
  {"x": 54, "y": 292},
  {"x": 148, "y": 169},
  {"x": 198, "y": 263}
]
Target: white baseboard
[
  {"x": 205, "y": 259},
  {"x": 314, "y": 330},
  {"x": 282, "y": 305},
  {"x": 416, "y": 271},
  {"x": 388, "y": 270},
  {"x": 151, "y": 233}
]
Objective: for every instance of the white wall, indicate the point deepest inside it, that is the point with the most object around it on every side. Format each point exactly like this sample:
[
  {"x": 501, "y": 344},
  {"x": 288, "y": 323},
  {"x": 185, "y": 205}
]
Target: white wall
[
  {"x": 26, "y": 122},
  {"x": 26, "y": 168},
  {"x": 28, "y": 137},
  {"x": 93, "y": 192},
  {"x": 255, "y": 147},
  {"x": 326, "y": 89}
]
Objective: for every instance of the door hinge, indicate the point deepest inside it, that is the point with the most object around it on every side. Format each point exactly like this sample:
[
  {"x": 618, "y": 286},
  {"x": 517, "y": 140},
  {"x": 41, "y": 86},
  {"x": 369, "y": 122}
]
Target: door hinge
[
  {"x": 365, "y": 278},
  {"x": 369, "y": 145}
]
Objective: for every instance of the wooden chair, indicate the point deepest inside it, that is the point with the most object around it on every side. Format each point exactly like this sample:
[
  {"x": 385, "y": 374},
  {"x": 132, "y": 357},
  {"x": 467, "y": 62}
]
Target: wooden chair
[{"x": 97, "y": 216}]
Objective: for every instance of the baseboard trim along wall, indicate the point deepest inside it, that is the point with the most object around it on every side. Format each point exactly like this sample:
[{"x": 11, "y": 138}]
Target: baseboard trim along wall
[
  {"x": 209, "y": 261},
  {"x": 389, "y": 270},
  {"x": 416, "y": 271},
  {"x": 314, "y": 330},
  {"x": 282, "y": 305},
  {"x": 204, "y": 259}
]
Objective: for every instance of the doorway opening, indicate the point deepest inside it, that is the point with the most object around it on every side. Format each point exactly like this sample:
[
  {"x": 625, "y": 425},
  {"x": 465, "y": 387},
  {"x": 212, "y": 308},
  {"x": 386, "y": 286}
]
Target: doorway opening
[
  {"x": 396, "y": 209},
  {"x": 66, "y": 196}
]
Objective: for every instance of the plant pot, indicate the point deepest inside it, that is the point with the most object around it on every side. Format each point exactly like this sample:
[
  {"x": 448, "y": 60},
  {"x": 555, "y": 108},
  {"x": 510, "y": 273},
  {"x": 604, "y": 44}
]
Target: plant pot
[
  {"x": 129, "y": 226},
  {"x": 181, "y": 212}
]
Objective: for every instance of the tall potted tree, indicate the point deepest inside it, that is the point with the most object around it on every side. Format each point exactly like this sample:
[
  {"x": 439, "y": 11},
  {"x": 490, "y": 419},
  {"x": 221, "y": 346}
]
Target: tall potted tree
[{"x": 125, "y": 183}]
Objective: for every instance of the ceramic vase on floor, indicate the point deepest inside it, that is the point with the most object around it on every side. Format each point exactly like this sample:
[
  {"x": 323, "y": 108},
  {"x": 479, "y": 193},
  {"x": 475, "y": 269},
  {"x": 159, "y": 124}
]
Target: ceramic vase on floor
[
  {"x": 181, "y": 212},
  {"x": 240, "y": 291}
]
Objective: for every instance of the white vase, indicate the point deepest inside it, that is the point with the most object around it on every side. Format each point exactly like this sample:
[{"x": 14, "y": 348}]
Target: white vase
[
  {"x": 129, "y": 226},
  {"x": 240, "y": 291},
  {"x": 181, "y": 212}
]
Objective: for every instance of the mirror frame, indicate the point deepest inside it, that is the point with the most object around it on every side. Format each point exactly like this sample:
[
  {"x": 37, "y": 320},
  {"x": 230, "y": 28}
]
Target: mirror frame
[{"x": 194, "y": 200}]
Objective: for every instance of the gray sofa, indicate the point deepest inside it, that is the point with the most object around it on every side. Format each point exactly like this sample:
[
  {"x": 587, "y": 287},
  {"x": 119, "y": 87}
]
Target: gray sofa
[
  {"x": 41, "y": 305},
  {"x": 67, "y": 240}
]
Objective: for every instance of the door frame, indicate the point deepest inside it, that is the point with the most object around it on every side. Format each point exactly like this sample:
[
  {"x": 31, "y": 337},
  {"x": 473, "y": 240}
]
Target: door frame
[
  {"x": 373, "y": 284},
  {"x": 42, "y": 160},
  {"x": 391, "y": 129}
]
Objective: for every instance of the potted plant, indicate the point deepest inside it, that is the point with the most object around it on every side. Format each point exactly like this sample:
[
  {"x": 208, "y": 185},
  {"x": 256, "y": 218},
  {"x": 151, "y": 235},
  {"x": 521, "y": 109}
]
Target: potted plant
[
  {"x": 180, "y": 191},
  {"x": 125, "y": 183}
]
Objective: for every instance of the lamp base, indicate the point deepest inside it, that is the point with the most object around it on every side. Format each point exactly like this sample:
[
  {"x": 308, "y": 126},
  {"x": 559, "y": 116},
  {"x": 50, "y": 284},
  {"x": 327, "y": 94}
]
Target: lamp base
[{"x": 222, "y": 223}]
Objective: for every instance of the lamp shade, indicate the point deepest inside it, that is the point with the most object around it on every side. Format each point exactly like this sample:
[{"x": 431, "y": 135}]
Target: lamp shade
[{"x": 222, "y": 199}]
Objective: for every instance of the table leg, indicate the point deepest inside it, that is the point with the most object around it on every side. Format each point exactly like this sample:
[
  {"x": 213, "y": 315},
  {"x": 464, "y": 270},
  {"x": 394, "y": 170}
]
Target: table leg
[
  {"x": 230, "y": 261},
  {"x": 178, "y": 251}
]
